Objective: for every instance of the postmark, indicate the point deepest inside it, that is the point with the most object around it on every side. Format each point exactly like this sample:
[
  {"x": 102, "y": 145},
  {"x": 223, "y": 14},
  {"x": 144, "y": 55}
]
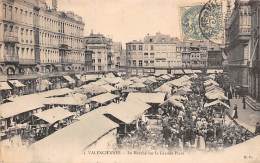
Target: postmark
[{"x": 211, "y": 22}]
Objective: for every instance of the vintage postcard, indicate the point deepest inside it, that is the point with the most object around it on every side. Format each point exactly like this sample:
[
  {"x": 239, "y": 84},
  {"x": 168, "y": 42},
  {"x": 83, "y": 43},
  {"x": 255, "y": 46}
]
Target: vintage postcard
[{"x": 129, "y": 81}]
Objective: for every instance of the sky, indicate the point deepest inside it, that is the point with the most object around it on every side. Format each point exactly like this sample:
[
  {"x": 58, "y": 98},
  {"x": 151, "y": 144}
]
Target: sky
[{"x": 127, "y": 20}]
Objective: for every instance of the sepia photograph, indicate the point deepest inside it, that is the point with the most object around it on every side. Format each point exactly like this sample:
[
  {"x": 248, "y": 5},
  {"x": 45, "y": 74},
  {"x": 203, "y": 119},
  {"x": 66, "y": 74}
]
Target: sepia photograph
[{"x": 129, "y": 81}]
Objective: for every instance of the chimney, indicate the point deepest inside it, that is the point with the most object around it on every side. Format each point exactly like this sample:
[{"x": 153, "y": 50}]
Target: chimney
[{"x": 54, "y": 5}]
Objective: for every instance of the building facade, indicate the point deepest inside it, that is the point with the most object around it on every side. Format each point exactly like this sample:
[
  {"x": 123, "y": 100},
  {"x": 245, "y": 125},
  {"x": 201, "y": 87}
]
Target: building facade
[
  {"x": 105, "y": 53},
  {"x": 155, "y": 54},
  {"x": 254, "y": 60},
  {"x": 37, "y": 41},
  {"x": 238, "y": 31}
]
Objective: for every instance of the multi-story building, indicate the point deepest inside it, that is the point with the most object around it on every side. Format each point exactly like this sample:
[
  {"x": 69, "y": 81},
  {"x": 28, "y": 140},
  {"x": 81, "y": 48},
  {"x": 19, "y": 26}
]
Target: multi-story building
[
  {"x": 238, "y": 31},
  {"x": 155, "y": 54},
  {"x": 254, "y": 60},
  {"x": 215, "y": 57},
  {"x": 36, "y": 39},
  {"x": 116, "y": 54}
]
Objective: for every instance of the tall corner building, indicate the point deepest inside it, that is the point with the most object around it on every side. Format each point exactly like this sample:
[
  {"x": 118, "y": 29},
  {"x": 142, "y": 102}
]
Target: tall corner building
[
  {"x": 105, "y": 54},
  {"x": 38, "y": 39},
  {"x": 253, "y": 97}
]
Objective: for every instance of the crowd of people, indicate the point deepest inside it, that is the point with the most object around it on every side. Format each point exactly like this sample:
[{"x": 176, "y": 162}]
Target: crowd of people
[{"x": 191, "y": 127}]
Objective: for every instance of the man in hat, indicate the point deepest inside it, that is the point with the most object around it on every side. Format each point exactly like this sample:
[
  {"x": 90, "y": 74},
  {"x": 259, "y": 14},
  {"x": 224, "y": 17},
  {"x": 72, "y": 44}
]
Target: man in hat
[{"x": 235, "y": 116}]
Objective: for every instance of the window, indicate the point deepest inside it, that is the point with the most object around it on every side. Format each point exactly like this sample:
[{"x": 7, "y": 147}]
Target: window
[
  {"x": 140, "y": 63},
  {"x": 152, "y": 63},
  {"x": 4, "y": 8},
  {"x": 146, "y": 63},
  {"x": 99, "y": 68},
  {"x": 134, "y": 47},
  {"x": 93, "y": 60},
  {"x": 151, "y": 47},
  {"x": 134, "y": 62},
  {"x": 146, "y": 55},
  {"x": 140, "y": 47},
  {"x": 152, "y": 55},
  {"x": 99, "y": 60}
]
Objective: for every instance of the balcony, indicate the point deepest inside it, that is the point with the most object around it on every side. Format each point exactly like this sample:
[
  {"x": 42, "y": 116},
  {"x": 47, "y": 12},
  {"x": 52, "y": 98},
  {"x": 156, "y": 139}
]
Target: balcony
[
  {"x": 27, "y": 61},
  {"x": 10, "y": 58},
  {"x": 11, "y": 37}
]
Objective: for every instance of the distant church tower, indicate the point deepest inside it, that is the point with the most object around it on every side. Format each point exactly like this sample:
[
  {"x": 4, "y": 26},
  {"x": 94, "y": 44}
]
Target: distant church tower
[{"x": 54, "y": 5}]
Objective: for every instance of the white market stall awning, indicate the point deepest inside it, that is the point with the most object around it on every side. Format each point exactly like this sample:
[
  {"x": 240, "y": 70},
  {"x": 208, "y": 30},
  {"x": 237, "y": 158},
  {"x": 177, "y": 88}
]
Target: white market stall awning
[
  {"x": 114, "y": 80},
  {"x": 178, "y": 72},
  {"x": 20, "y": 105},
  {"x": 68, "y": 100},
  {"x": 72, "y": 140},
  {"x": 149, "y": 98},
  {"x": 216, "y": 102},
  {"x": 103, "y": 98},
  {"x": 93, "y": 88},
  {"x": 16, "y": 83},
  {"x": 109, "y": 88},
  {"x": 69, "y": 79},
  {"x": 164, "y": 88},
  {"x": 53, "y": 115},
  {"x": 90, "y": 77},
  {"x": 78, "y": 76},
  {"x": 215, "y": 94},
  {"x": 127, "y": 112},
  {"x": 56, "y": 92},
  {"x": 137, "y": 85},
  {"x": 4, "y": 86}
]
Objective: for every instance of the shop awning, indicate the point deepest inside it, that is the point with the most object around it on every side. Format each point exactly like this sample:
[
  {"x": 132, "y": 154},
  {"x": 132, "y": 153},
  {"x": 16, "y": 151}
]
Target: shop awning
[
  {"x": 16, "y": 83},
  {"x": 197, "y": 71},
  {"x": 127, "y": 112},
  {"x": 213, "y": 71},
  {"x": 4, "y": 86},
  {"x": 69, "y": 79},
  {"x": 53, "y": 115},
  {"x": 149, "y": 98},
  {"x": 103, "y": 98},
  {"x": 188, "y": 71},
  {"x": 72, "y": 140}
]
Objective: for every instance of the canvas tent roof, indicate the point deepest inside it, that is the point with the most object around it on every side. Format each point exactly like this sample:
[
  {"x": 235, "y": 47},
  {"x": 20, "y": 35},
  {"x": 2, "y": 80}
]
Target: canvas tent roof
[
  {"x": 150, "y": 98},
  {"x": 53, "y": 115},
  {"x": 69, "y": 79},
  {"x": 72, "y": 140},
  {"x": 16, "y": 83},
  {"x": 127, "y": 111},
  {"x": 21, "y": 105},
  {"x": 103, "y": 98},
  {"x": 4, "y": 86},
  {"x": 216, "y": 102},
  {"x": 56, "y": 92}
]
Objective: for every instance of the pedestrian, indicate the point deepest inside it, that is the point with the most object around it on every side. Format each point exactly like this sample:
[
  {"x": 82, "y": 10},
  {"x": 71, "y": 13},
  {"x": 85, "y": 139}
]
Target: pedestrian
[
  {"x": 234, "y": 115},
  {"x": 244, "y": 102},
  {"x": 257, "y": 129}
]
